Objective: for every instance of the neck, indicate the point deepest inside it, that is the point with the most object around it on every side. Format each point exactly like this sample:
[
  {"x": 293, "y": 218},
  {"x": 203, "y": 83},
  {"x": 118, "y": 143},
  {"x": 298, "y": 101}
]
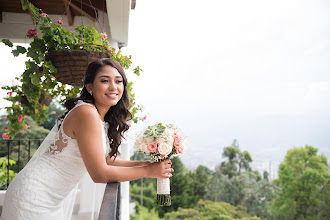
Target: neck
[{"x": 102, "y": 110}]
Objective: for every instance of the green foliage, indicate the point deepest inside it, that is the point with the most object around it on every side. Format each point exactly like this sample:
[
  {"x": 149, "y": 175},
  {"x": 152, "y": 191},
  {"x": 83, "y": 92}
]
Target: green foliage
[
  {"x": 209, "y": 210},
  {"x": 54, "y": 111},
  {"x": 305, "y": 183},
  {"x": 37, "y": 86},
  {"x": 4, "y": 172},
  {"x": 144, "y": 214}
]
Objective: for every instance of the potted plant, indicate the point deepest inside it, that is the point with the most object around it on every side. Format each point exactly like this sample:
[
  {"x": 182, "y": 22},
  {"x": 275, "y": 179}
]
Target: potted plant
[{"x": 47, "y": 71}]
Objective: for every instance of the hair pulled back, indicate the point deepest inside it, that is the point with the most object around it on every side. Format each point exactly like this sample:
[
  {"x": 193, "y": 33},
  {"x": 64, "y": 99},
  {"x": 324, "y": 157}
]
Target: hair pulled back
[{"x": 118, "y": 115}]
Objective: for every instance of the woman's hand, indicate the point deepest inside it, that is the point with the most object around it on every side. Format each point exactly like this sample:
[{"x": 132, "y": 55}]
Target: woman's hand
[{"x": 160, "y": 169}]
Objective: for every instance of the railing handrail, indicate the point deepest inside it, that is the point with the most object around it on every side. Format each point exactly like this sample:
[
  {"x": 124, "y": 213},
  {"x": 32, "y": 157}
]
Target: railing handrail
[{"x": 111, "y": 202}]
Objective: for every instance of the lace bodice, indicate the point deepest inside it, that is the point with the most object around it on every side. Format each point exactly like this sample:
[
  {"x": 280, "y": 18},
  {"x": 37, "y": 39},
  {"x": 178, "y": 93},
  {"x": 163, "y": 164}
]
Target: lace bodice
[{"x": 44, "y": 183}]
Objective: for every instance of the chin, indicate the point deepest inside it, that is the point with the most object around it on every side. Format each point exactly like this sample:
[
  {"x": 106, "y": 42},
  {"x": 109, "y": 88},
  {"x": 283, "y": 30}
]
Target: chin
[{"x": 113, "y": 103}]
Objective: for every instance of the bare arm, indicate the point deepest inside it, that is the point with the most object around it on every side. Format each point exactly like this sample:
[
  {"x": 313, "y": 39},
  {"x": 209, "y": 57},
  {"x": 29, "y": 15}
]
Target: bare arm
[
  {"x": 88, "y": 132},
  {"x": 126, "y": 163}
]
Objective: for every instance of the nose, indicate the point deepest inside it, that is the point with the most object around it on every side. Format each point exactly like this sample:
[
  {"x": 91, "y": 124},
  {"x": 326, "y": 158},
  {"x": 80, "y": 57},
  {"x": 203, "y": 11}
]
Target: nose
[{"x": 112, "y": 85}]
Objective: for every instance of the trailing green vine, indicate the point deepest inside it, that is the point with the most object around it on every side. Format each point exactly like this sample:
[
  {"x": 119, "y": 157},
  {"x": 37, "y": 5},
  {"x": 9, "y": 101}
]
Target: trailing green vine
[{"x": 36, "y": 87}]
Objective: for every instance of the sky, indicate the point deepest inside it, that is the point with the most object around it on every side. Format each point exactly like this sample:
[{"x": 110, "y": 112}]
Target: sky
[{"x": 255, "y": 71}]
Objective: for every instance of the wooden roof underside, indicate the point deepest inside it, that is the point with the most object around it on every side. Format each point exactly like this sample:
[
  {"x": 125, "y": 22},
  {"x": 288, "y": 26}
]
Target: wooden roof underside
[{"x": 58, "y": 7}]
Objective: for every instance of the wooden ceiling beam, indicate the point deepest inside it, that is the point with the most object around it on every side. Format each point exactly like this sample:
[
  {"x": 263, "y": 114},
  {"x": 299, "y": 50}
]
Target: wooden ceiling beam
[
  {"x": 68, "y": 12},
  {"x": 75, "y": 7}
]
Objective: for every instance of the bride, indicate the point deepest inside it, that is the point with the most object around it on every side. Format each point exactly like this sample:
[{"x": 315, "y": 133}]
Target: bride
[{"x": 86, "y": 139}]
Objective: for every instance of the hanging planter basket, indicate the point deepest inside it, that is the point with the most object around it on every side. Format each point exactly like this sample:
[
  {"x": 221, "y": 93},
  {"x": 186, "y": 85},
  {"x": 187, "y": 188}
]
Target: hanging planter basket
[{"x": 72, "y": 64}]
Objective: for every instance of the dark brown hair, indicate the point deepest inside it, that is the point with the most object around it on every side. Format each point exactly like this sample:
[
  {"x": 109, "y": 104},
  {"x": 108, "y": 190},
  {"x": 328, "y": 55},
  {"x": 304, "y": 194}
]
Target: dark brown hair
[{"x": 118, "y": 115}]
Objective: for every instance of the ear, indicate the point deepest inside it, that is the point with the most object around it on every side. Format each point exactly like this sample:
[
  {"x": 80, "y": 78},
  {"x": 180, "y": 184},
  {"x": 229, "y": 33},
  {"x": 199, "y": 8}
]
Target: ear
[{"x": 89, "y": 87}]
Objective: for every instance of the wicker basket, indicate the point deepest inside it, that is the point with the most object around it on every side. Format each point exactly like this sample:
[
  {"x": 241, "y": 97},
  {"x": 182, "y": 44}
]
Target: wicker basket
[{"x": 72, "y": 64}]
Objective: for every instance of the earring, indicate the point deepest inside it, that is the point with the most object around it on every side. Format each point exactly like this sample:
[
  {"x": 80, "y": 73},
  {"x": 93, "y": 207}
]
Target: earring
[{"x": 91, "y": 93}]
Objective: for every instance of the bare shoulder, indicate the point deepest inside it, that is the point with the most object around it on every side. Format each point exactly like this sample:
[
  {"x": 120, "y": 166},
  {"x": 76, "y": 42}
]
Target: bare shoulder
[{"x": 84, "y": 116}]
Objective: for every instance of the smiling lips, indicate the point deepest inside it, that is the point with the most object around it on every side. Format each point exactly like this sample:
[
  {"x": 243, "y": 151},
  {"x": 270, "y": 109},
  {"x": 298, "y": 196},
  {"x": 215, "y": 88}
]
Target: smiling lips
[{"x": 112, "y": 95}]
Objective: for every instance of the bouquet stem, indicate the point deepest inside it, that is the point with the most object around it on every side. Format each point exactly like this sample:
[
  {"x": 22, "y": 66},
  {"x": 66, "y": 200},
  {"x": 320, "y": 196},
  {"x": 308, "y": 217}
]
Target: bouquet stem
[{"x": 163, "y": 192}]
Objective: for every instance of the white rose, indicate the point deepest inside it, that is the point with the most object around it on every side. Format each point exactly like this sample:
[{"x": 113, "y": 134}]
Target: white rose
[{"x": 164, "y": 149}]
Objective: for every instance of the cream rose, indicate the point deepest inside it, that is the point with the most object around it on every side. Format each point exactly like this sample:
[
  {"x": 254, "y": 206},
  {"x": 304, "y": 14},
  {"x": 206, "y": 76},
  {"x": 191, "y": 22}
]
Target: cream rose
[{"x": 164, "y": 149}]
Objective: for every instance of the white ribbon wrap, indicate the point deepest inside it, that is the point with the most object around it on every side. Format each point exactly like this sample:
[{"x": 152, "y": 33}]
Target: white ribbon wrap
[{"x": 163, "y": 186}]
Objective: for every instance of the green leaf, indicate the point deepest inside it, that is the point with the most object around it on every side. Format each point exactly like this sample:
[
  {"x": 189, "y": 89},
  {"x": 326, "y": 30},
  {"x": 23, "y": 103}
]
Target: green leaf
[
  {"x": 18, "y": 50},
  {"x": 24, "y": 5},
  {"x": 7, "y": 42},
  {"x": 51, "y": 67},
  {"x": 35, "y": 79}
]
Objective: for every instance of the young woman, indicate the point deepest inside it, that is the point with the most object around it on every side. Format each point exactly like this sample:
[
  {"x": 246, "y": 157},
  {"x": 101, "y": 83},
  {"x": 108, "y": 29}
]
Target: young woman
[{"x": 87, "y": 138}]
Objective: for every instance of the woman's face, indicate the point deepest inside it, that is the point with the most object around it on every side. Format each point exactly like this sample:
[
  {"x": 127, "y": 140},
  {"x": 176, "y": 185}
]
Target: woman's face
[{"x": 108, "y": 86}]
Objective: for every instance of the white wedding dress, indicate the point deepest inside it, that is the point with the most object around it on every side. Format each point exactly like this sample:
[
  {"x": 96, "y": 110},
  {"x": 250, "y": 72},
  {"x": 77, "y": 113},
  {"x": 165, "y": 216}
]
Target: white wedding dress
[{"x": 44, "y": 189}]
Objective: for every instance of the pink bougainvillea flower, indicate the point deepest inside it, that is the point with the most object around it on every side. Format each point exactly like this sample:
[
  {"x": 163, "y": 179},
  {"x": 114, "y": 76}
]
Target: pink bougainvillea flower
[
  {"x": 5, "y": 119},
  {"x": 60, "y": 22},
  {"x": 43, "y": 15},
  {"x": 6, "y": 128},
  {"x": 26, "y": 126},
  {"x": 126, "y": 57},
  {"x": 10, "y": 93},
  {"x": 32, "y": 32},
  {"x": 130, "y": 56},
  {"x": 20, "y": 118},
  {"x": 5, "y": 136},
  {"x": 53, "y": 112},
  {"x": 104, "y": 36},
  {"x": 144, "y": 118},
  {"x": 152, "y": 147},
  {"x": 22, "y": 134}
]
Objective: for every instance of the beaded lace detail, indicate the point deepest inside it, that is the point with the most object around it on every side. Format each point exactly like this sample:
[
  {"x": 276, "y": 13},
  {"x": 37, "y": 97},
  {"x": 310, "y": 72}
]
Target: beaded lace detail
[{"x": 61, "y": 140}]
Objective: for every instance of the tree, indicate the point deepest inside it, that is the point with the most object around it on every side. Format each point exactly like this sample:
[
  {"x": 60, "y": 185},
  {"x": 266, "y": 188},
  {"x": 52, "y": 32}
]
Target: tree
[
  {"x": 234, "y": 182},
  {"x": 305, "y": 183},
  {"x": 209, "y": 210},
  {"x": 236, "y": 160}
]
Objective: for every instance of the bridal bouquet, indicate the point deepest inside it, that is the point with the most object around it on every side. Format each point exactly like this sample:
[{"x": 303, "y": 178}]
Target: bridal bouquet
[{"x": 160, "y": 142}]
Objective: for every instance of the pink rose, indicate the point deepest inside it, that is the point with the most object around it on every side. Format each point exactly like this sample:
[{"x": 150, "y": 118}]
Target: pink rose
[
  {"x": 6, "y": 128},
  {"x": 26, "y": 126},
  {"x": 43, "y": 15},
  {"x": 32, "y": 32},
  {"x": 53, "y": 112},
  {"x": 60, "y": 22},
  {"x": 10, "y": 93},
  {"x": 5, "y": 136},
  {"x": 179, "y": 150},
  {"x": 177, "y": 140},
  {"x": 5, "y": 119},
  {"x": 104, "y": 36},
  {"x": 144, "y": 118},
  {"x": 152, "y": 147},
  {"x": 20, "y": 118}
]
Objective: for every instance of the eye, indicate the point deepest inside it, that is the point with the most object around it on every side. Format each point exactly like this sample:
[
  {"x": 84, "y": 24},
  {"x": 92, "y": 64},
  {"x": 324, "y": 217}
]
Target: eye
[
  {"x": 104, "y": 80},
  {"x": 119, "y": 81}
]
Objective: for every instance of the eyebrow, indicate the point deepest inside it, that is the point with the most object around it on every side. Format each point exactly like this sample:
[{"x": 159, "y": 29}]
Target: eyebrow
[{"x": 109, "y": 76}]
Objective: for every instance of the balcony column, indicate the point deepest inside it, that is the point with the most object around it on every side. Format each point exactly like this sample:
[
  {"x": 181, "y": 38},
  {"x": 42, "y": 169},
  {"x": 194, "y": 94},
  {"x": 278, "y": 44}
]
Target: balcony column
[{"x": 124, "y": 186}]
